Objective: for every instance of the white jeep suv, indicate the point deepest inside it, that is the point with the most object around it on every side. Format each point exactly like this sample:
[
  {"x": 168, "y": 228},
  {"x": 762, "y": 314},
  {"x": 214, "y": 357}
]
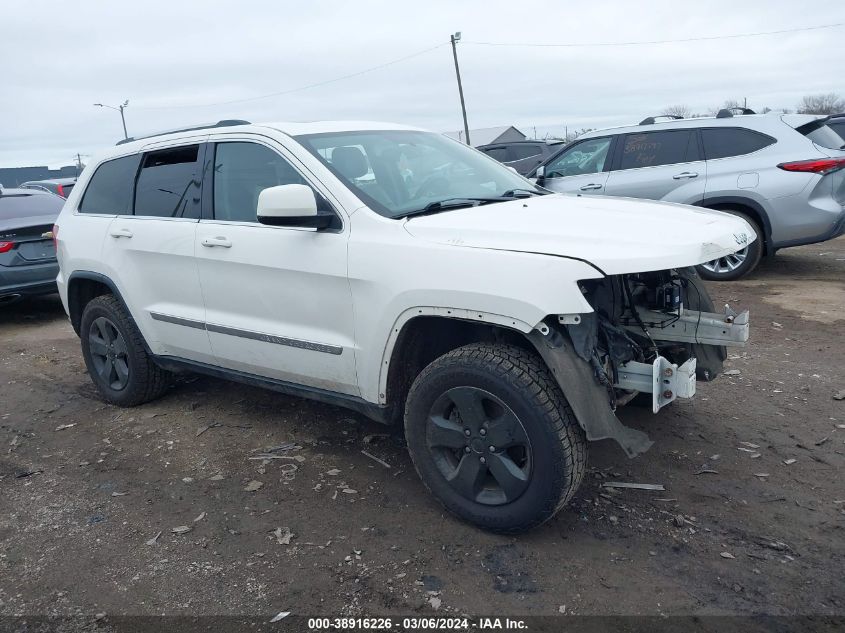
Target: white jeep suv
[{"x": 406, "y": 276}]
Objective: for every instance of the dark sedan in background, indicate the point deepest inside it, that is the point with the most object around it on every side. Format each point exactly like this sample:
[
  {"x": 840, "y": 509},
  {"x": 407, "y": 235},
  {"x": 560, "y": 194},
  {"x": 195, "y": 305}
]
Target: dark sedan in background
[
  {"x": 28, "y": 263},
  {"x": 523, "y": 156},
  {"x": 59, "y": 186}
]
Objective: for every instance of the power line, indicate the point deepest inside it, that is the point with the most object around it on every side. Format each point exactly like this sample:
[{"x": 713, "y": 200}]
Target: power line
[
  {"x": 300, "y": 88},
  {"x": 646, "y": 42}
]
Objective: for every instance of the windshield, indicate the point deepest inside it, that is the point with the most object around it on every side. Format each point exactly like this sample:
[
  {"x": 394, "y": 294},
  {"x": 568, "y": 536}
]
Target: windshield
[{"x": 398, "y": 172}]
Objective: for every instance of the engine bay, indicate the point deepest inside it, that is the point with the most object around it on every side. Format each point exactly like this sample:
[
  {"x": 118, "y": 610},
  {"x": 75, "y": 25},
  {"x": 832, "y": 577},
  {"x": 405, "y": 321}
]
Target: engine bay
[{"x": 653, "y": 333}]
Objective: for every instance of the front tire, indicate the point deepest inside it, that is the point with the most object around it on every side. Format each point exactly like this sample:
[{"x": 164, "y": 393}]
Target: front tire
[
  {"x": 114, "y": 354},
  {"x": 739, "y": 264},
  {"x": 493, "y": 438}
]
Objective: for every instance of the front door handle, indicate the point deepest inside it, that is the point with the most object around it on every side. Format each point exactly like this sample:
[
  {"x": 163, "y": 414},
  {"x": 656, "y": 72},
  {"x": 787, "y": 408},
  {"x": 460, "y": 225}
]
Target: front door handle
[
  {"x": 121, "y": 232},
  {"x": 591, "y": 187},
  {"x": 210, "y": 242},
  {"x": 685, "y": 174}
]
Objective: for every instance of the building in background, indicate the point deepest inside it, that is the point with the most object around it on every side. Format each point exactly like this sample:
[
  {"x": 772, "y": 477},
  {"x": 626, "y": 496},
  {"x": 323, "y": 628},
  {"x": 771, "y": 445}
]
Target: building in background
[
  {"x": 14, "y": 176},
  {"x": 489, "y": 135}
]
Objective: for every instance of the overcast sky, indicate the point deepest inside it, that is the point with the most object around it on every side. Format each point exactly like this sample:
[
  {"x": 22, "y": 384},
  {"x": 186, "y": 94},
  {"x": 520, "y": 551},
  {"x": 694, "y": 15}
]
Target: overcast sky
[{"x": 59, "y": 58}]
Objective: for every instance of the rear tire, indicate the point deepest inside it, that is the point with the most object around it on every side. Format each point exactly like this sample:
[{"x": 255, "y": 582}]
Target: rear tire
[
  {"x": 493, "y": 412},
  {"x": 732, "y": 267},
  {"x": 114, "y": 354}
]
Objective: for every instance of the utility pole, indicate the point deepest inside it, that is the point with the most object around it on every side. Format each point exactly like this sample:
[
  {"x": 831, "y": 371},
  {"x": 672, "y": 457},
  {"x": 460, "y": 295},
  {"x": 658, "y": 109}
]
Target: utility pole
[
  {"x": 120, "y": 109},
  {"x": 457, "y": 38},
  {"x": 78, "y": 164}
]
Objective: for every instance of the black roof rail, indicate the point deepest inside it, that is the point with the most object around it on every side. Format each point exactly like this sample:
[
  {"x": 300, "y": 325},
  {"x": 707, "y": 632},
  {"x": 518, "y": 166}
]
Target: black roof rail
[
  {"x": 652, "y": 119},
  {"x": 726, "y": 113},
  {"x": 223, "y": 123}
]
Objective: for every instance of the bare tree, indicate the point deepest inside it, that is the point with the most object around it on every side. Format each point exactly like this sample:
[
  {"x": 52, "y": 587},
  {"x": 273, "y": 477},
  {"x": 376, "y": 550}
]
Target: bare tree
[
  {"x": 830, "y": 103},
  {"x": 680, "y": 110},
  {"x": 569, "y": 136}
]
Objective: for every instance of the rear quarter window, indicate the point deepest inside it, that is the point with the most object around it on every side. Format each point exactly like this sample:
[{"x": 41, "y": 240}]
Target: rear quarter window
[
  {"x": 110, "y": 189},
  {"x": 838, "y": 127},
  {"x": 723, "y": 142},
  {"x": 824, "y": 133}
]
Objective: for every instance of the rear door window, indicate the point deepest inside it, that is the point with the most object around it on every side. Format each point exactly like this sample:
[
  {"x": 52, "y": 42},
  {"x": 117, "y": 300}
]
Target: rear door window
[
  {"x": 723, "y": 142},
  {"x": 651, "y": 149},
  {"x": 169, "y": 183},
  {"x": 110, "y": 189},
  {"x": 499, "y": 153}
]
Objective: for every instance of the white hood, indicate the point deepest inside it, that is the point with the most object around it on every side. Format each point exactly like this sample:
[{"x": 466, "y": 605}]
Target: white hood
[{"x": 617, "y": 235}]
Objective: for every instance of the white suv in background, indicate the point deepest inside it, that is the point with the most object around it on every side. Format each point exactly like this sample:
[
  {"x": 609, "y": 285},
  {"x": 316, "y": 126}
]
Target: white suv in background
[
  {"x": 406, "y": 276},
  {"x": 782, "y": 173}
]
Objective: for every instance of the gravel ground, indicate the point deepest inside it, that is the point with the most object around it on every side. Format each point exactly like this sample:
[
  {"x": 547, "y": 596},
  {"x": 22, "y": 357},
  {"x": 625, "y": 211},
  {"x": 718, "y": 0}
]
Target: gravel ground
[{"x": 165, "y": 509}]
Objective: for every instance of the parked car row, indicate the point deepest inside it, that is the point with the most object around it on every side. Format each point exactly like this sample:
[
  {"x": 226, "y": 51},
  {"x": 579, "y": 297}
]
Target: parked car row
[
  {"x": 523, "y": 156},
  {"x": 781, "y": 173},
  {"x": 27, "y": 254},
  {"x": 59, "y": 186}
]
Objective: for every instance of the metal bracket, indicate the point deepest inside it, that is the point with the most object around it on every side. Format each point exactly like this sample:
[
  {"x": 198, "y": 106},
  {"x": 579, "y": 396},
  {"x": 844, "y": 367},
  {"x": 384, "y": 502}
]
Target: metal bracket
[
  {"x": 569, "y": 319},
  {"x": 692, "y": 326},
  {"x": 665, "y": 381}
]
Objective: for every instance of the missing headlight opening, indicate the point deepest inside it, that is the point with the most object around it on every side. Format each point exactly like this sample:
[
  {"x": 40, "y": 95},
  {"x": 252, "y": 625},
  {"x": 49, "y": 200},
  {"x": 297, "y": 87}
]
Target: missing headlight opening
[{"x": 653, "y": 333}]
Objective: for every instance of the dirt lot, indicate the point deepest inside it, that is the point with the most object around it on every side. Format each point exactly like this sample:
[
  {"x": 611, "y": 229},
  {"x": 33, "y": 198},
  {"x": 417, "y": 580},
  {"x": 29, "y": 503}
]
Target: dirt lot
[{"x": 752, "y": 520}]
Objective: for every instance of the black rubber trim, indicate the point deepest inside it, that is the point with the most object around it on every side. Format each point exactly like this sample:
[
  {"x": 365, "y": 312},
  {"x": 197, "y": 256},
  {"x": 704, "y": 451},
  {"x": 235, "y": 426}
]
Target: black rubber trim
[
  {"x": 166, "y": 318},
  {"x": 835, "y": 231},
  {"x": 86, "y": 274},
  {"x": 255, "y": 336},
  {"x": 278, "y": 340},
  {"x": 373, "y": 411}
]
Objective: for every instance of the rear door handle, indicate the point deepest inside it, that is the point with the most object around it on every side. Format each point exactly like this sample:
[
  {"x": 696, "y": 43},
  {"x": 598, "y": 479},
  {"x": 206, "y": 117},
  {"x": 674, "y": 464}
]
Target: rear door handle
[
  {"x": 591, "y": 187},
  {"x": 121, "y": 232},
  {"x": 685, "y": 174},
  {"x": 211, "y": 242}
]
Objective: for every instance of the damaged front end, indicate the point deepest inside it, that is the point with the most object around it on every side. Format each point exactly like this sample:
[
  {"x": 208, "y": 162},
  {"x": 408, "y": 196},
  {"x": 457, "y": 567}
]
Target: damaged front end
[{"x": 650, "y": 337}]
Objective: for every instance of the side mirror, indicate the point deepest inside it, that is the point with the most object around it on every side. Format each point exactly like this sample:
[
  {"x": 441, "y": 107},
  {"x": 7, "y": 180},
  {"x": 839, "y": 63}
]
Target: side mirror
[
  {"x": 291, "y": 205},
  {"x": 540, "y": 174}
]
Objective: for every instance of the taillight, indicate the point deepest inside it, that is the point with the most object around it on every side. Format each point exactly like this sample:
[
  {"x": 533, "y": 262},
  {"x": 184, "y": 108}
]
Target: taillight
[
  {"x": 56, "y": 236},
  {"x": 5, "y": 247},
  {"x": 815, "y": 166},
  {"x": 61, "y": 191}
]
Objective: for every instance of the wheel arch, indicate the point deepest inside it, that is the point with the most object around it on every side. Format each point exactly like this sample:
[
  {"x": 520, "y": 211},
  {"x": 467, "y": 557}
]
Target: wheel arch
[
  {"x": 748, "y": 206},
  {"x": 427, "y": 335},
  {"x": 82, "y": 287},
  {"x": 422, "y": 334}
]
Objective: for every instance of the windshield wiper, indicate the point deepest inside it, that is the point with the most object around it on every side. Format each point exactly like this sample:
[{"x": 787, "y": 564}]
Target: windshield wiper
[
  {"x": 520, "y": 193},
  {"x": 452, "y": 203}
]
